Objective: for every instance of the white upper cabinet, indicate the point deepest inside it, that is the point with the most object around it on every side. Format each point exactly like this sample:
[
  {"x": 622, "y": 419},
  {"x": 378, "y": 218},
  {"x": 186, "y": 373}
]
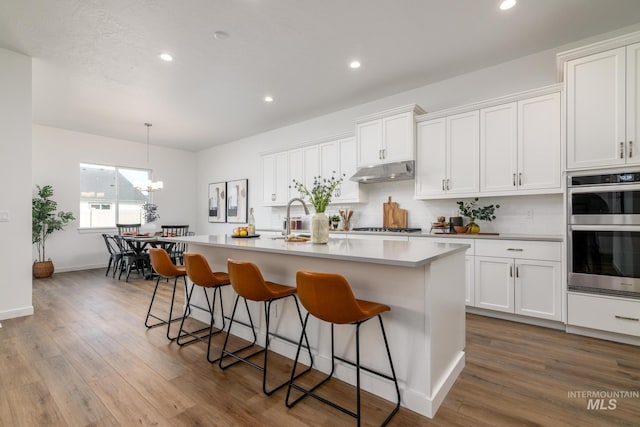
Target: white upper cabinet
[
  {"x": 520, "y": 146},
  {"x": 296, "y": 171},
  {"x": 602, "y": 109},
  {"x": 447, "y": 160},
  {"x": 540, "y": 143},
  {"x": 387, "y": 137},
  {"x": 333, "y": 157},
  {"x": 633, "y": 103},
  {"x": 348, "y": 191},
  {"x": 499, "y": 148},
  {"x": 275, "y": 179}
]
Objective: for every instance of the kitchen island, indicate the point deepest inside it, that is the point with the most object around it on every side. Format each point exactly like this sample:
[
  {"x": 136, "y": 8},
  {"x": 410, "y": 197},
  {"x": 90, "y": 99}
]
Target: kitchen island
[{"x": 422, "y": 282}]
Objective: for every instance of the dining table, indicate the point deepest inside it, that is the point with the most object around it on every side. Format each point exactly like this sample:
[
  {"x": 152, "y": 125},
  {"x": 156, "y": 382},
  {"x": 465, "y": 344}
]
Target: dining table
[{"x": 139, "y": 243}]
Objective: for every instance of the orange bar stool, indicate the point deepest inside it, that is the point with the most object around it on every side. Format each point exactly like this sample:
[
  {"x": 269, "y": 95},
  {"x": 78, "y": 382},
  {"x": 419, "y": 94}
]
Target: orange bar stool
[
  {"x": 166, "y": 269},
  {"x": 249, "y": 284},
  {"x": 329, "y": 297},
  {"x": 201, "y": 275}
]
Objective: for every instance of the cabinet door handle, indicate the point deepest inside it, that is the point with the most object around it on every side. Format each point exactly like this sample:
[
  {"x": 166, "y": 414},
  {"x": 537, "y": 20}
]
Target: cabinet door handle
[
  {"x": 273, "y": 197},
  {"x": 630, "y": 149},
  {"x": 448, "y": 186},
  {"x": 622, "y": 150},
  {"x": 635, "y": 319},
  {"x": 514, "y": 179},
  {"x": 520, "y": 178},
  {"x": 511, "y": 271},
  {"x": 515, "y": 249},
  {"x": 384, "y": 153},
  {"x": 443, "y": 185},
  {"x": 517, "y": 271}
]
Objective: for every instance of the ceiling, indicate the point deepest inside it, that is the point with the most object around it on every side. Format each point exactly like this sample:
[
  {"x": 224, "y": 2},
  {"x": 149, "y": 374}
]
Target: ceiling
[{"x": 96, "y": 67}]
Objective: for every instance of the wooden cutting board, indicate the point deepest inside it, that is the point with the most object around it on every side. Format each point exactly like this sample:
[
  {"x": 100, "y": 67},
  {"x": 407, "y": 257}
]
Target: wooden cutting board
[{"x": 393, "y": 216}]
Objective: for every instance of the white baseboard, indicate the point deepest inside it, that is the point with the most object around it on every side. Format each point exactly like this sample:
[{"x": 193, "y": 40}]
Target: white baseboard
[
  {"x": 552, "y": 324},
  {"x": 78, "y": 268},
  {"x": 16, "y": 312}
]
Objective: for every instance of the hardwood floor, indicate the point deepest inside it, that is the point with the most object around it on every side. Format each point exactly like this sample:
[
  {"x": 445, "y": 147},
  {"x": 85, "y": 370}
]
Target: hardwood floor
[{"x": 85, "y": 358}]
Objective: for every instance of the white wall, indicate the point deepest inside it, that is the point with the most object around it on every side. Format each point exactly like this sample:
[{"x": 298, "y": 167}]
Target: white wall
[
  {"x": 57, "y": 154},
  {"x": 241, "y": 159},
  {"x": 15, "y": 184}
]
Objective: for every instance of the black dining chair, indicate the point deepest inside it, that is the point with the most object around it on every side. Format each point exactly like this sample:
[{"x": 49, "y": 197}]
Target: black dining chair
[
  {"x": 178, "y": 250},
  {"x": 131, "y": 259},
  {"x": 128, "y": 228},
  {"x": 115, "y": 253}
]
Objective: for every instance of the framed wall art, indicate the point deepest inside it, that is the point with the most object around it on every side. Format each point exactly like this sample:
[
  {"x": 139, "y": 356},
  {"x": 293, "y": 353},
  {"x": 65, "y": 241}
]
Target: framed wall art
[
  {"x": 237, "y": 196},
  {"x": 217, "y": 202}
]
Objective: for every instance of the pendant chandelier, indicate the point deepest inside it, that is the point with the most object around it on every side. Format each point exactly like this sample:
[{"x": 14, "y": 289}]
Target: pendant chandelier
[{"x": 150, "y": 185}]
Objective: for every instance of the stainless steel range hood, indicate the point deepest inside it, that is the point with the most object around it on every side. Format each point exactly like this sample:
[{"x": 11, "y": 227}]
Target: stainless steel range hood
[{"x": 383, "y": 173}]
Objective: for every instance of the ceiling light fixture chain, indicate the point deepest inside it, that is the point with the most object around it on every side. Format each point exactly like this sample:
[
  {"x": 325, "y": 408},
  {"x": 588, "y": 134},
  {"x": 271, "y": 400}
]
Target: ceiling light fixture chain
[{"x": 150, "y": 185}]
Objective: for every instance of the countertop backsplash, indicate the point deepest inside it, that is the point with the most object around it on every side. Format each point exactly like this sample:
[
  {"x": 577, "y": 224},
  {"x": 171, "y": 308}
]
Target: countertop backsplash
[{"x": 539, "y": 214}]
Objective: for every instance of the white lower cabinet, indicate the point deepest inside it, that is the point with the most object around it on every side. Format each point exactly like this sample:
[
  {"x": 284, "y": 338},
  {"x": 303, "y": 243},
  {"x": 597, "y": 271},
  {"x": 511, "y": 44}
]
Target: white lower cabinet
[
  {"x": 520, "y": 277},
  {"x": 604, "y": 313}
]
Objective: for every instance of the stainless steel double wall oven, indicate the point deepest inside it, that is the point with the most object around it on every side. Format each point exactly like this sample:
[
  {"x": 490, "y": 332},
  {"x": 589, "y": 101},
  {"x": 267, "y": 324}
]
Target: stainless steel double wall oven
[{"x": 604, "y": 233}]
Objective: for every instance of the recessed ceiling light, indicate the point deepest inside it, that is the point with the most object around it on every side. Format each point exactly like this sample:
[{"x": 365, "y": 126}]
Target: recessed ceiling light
[
  {"x": 507, "y": 4},
  {"x": 220, "y": 35},
  {"x": 166, "y": 57},
  {"x": 268, "y": 98},
  {"x": 354, "y": 64}
]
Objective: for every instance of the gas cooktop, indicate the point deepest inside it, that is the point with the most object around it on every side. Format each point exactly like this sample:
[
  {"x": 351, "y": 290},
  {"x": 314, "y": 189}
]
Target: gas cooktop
[{"x": 388, "y": 229}]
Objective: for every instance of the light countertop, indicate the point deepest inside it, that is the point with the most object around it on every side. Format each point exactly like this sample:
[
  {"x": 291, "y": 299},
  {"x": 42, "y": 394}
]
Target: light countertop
[
  {"x": 388, "y": 252},
  {"x": 426, "y": 234}
]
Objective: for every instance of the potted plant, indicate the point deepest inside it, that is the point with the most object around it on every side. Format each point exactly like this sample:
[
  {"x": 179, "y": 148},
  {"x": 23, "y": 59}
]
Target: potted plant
[
  {"x": 335, "y": 220},
  {"x": 44, "y": 222},
  {"x": 474, "y": 212},
  {"x": 320, "y": 197}
]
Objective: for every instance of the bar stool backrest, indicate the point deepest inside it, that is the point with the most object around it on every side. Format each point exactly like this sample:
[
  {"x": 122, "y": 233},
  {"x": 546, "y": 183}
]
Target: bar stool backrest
[
  {"x": 328, "y": 297},
  {"x": 247, "y": 280},
  {"x": 199, "y": 270},
  {"x": 162, "y": 264}
]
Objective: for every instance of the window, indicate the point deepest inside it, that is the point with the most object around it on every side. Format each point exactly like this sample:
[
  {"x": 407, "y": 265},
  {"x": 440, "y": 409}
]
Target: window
[{"x": 108, "y": 196}]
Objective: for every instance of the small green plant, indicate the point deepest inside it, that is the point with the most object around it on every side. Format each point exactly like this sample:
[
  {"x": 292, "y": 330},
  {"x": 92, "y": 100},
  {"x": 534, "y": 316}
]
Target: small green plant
[
  {"x": 472, "y": 211},
  {"x": 321, "y": 192},
  {"x": 334, "y": 218},
  {"x": 44, "y": 218}
]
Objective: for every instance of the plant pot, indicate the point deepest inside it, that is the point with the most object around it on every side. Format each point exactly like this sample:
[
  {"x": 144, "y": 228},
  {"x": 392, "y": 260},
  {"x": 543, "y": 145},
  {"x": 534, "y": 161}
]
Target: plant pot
[
  {"x": 473, "y": 228},
  {"x": 42, "y": 269},
  {"x": 320, "y": 228}
]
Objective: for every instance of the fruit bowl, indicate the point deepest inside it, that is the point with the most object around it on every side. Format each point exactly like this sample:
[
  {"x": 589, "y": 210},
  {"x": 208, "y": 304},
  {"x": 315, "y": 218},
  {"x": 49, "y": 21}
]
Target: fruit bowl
[{"x": 460, "y": 229}]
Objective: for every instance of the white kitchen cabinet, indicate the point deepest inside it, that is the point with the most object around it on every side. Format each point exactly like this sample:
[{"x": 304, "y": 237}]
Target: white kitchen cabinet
[
  {"x": 520, "y": 146},
  {"x": 602, "y": 109},
  {"x": 387, "y": 137},
  {"x": 519, "y": 277},
  {"x": 296, "y": 171},
  {"x": 499, "y": 148},
  {"x": 605, "y": 313},
  {"x": 275, "y": 175},
  {"x": 311, "y": 160},
  {"x": 348, "y": 191},
  {"x": 447, "y": 162}
]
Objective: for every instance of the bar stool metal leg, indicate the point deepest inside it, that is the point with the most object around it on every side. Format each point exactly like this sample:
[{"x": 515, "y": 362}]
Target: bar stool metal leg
[
  {"x": 246, "y": 359},
  {"x": 310, "y": 391},
  {"x": 162, "y": 321}
]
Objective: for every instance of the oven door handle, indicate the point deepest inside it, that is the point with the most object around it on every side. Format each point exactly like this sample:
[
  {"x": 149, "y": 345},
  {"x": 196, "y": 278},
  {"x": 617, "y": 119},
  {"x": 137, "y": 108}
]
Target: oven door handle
[
  {"x": 604, "y": 188},
  {"x": 634, "y": 228}
]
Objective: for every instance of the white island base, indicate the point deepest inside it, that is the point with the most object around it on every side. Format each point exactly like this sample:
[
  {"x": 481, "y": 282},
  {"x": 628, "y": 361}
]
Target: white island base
[{"x": 422, "y": 282}]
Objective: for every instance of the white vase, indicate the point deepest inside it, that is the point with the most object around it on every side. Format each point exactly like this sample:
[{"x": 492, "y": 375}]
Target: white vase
[
  {"x": 149, "y": 227},
  {"x": 320, "y": 228}
]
